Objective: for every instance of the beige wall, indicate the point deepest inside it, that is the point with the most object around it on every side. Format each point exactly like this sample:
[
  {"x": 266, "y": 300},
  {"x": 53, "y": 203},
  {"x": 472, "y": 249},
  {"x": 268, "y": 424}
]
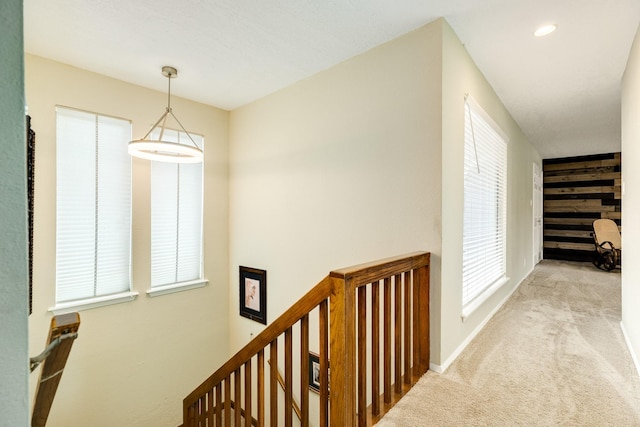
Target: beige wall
[
  {"x": 364, "y": 161},
  {"x": 14, "y": 408},
  {"x": 338, "y": 169},
  {"x": 631, "y": 200},
  {"x": 133, "y": 363},
  {"x": 461, "y": 76}
]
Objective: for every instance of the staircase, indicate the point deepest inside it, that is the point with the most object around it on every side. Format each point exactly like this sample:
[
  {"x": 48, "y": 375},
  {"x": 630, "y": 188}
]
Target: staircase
[{"x": 370, "y": 329}]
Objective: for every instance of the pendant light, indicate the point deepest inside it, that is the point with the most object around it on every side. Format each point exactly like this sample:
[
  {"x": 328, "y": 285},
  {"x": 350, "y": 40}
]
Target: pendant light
[{"x": 166, "y": 151}]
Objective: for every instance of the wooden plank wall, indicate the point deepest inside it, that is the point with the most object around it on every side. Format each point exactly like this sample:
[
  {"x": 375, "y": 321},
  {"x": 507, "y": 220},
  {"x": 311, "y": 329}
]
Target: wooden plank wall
[{"x": 577, "y": 191}]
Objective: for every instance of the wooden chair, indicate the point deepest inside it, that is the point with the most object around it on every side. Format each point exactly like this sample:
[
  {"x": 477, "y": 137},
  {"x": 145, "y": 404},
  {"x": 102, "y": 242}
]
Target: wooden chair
[{"x": 606, "y": 237}]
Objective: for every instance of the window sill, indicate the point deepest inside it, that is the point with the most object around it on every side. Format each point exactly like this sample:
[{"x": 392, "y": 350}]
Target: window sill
[
  {"x": 176, "y": 287},
  {"x": 87, "y": 304},
  {"x": 473, "y": 305}
]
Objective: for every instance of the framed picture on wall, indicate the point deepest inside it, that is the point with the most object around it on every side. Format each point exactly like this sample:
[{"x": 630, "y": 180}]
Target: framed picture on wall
[
  {"x": 253, "y": 294},
  {"x": 314, "y": 372}
]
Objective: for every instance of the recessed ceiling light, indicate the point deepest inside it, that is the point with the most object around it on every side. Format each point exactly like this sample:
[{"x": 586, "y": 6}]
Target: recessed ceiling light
[{"x": 545, "y": 30}]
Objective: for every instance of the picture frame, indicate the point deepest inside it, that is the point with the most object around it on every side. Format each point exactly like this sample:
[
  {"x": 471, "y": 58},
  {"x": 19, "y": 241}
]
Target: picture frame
[
  {"x": 253, "y": 294},
  {"x": 314, "y": 372}
]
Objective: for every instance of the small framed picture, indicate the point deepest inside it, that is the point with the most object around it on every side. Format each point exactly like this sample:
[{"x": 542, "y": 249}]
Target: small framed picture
[
  {"x": 314, "y": 372},
  {"x": 253, "y": 294}
]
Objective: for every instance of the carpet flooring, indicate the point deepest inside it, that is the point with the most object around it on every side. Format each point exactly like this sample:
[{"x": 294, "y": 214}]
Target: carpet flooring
[{"x": 553, "y": 355}]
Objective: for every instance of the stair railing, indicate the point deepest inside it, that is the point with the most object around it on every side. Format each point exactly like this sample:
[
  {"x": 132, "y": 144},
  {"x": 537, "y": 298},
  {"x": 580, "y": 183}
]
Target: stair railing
[
  {"x": 380, "y": 308},
  {"x": 296, "y": 407},
  {"x": 62, "y": 333}
]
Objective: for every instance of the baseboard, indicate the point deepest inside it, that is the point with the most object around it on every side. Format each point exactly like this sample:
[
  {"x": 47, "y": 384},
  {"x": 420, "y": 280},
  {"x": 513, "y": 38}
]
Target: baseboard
[
  {"x": 634, "y": 356},
  {"x": 441, "y": 368},
  {"x": 435, "y": 368}
]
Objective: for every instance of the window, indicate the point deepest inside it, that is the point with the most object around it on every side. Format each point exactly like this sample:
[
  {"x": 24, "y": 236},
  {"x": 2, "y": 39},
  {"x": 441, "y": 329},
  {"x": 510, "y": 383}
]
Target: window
[
  {"x": 93, "y": 209},
  {"x": 176, "y": 220},
  {"x": 485, "y": 207}
]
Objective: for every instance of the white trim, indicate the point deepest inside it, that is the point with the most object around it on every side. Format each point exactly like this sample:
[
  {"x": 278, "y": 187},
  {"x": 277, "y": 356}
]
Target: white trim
[
  {"x": 436, "y": 368},
  {"x": 487, "y": 117},
  {"x": 634, "y": 356},
  {"x": 538, "y": 250},
  {"x": 485, "y": 295},
  {"x": 443, "y": 367},
  {"x": 176, "y": 287},
  {"x": 87, "y": 304},
  {"x": 66, "y": 107}
]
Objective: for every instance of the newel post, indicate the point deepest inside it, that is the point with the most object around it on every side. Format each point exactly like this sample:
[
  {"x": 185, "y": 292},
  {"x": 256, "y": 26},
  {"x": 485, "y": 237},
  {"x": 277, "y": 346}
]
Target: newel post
[{"x": 342, "y": 352}]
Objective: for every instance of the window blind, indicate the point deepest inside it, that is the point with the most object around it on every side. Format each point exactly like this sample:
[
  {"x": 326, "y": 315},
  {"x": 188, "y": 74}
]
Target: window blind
[
  {"x": 485, "y": 193},
  {"x": 176, "y": 217},
  {"x": 93, "y": 205}
]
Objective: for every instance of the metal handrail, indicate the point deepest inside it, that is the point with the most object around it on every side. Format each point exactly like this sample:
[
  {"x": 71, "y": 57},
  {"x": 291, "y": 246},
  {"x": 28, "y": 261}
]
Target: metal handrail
[{"x": 37, "y": 360}]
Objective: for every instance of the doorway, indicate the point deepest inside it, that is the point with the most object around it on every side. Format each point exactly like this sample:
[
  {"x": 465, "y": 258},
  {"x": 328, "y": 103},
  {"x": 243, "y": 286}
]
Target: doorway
[{"x": 537, "y": 214}]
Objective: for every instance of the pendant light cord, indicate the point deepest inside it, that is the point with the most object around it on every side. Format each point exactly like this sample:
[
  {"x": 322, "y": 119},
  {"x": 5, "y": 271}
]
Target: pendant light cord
[{"x": 169, "y": 93}]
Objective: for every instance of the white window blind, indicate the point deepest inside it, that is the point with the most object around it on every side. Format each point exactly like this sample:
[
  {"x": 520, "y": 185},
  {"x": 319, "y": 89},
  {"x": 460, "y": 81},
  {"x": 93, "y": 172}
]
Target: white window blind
[
  {"x": 485, "y": 204},
  {"x": 93, "y": 205},
  {"x": 176, "y": 217}
]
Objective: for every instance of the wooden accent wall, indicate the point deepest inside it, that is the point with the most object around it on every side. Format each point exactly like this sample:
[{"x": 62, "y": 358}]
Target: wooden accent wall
[{"x": 577, "y": 191}]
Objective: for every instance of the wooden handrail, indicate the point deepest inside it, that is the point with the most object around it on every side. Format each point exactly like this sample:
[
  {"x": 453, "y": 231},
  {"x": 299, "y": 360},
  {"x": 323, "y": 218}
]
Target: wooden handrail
[
  {"x": 272, "y": 332},
  {"x": 54, "y": 361},
  {"x": 369, "y": 272},
  {"x": 349, "y": 303}
]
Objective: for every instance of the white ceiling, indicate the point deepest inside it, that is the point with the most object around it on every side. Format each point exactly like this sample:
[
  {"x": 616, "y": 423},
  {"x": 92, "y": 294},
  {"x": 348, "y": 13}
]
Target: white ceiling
[{"x": 563, "y": 90}]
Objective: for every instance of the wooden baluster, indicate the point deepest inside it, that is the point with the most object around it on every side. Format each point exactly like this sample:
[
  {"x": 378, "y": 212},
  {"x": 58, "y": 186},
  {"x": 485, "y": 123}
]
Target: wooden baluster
[
  {"x": 407, "y": 327},
  {"x": 362, "y": 356},
  {"x": 273, "y": 383},
  {"x": 196, "y": 409},
  {"x": 304, "y": 371},
  {"x": 205, "y": 407},
  {"x": 237, "y": 410},
  {"x": 288, "y": 378},
  {"x": 296, "y": 408},
  {"x": 261, "y": 388},
  {"x": 197, "y": 420},
  {"x": 227, "y": 401},
  {"x": 203, "y": 414},
  {"x": 386, "y": 322},
  {"x": 190, "y": 416},
  {"x": 324, "y": 368},
  {"x": 247, "y": 394},
  {"x": 375, "y": 348},
  {"x": 203, "y": 410},
  {"x": 397, "y": 326},
  {"x": 211, "y": 407},
  {"x": 416, "y": 330},
  {"x": 218, "y": 405}
]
